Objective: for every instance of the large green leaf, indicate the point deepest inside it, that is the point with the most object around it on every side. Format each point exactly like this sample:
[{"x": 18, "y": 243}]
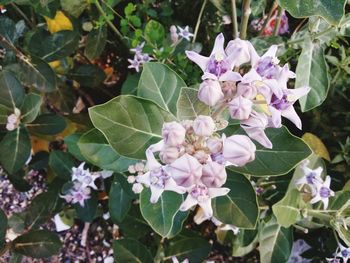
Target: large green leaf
[
  {"x": 48, "y": 124},
  {"x": 15, "y": 149},
  {"x": 161, "y": 84},
  {"x": 95, "y": 148},
  {"x": 130, "y": 250},
  {"x": 195, "y": 249},
  {"x": 332, "y": 10},
  {"x": 287, "y": 151},
  {"x": 37, "y": 244},
  {"x": 72, "y": 144},
  {"x": 244, "y": 242},
  {"x": 275, "y": 242},
  {"x": 95, "y": 42},
  {"x": 87, "y": 213},
  {"x": 189, "y": 106},
  {"x": 35, "y": 72},
  {"x": 161, "y": 216},
  {"x": 130, "y": 124},
  {"x": 61, "y": 163},
  {"x": 287, "y": 210},
  {"x": 312, "y": 71},
  {"x": 11, "y": 91},
  {"x": 30, "y": 107},
  {"x": 119, "y": 200},
  {"x": 239, "y": 207},
  {"x": 3, "y": 228},
  {"x": 55, "y": 46},
  {"x": 4, "y": 113}
]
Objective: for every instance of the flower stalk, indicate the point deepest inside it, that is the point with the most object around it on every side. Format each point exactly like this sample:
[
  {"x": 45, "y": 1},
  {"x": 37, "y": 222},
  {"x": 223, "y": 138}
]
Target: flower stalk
[{"x": 245, "y": 19}]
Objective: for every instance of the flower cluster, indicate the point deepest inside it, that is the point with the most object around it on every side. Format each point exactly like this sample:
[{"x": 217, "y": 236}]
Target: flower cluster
[
  {"x": 139, "y": 58},
  {"x": 319, "y": 188},
  {"x": 13, "y": 120},
  {"x": 342, "y": 252},
  {"x": 192, "y": 160},
  {"x": 259, "y": 98},
  {"x": 83, "y": 180}
]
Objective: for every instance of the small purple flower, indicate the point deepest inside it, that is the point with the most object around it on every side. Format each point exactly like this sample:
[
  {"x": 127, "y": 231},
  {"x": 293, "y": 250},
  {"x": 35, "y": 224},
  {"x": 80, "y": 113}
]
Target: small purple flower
[
  {"x": 185, "y": 33},
  {"x": 135, "y": 63},
  {"x": 323, "y": 193}
]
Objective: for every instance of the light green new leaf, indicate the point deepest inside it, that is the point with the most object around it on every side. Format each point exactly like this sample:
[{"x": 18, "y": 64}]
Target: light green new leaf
[
  {"x": 74, "y": 7},
  {"x": 15, "y": 149},
  {"x": 239, "y": 207},
  {"x": 331, "y": 10},
  {"x": 161, "y": 215},
  {"x": 160, "y": 84},
  {"x": 189, "y": 106},
  {"x": 130, "y": 124},
  {"x": 11, "y": 90},
  {"x": 287, "y": 151},
  {"x": 95, "y": 148},
  {"x": 312, "y": 71},
  {"x": 30, "y": 107},
  {"x": 130, "y": 250},
  {"x": 275, "y": 242},
  {"x": 37, "y": 244}
]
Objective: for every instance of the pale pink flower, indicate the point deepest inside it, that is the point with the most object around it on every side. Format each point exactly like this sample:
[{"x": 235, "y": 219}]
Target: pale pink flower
[
  {"x": 243, "y": 49},
  {"x": 214, "y": 145},
  {"x": 240, "y": 108},
  {"x": 210, "y": 92},
  {"x": 173, "y": 133},
  {"x": 238, "y": 150},
  {"x": 169, "y": 154},
  {"x": 203, "y": 126},
  {"x": 213, "y": 174}
]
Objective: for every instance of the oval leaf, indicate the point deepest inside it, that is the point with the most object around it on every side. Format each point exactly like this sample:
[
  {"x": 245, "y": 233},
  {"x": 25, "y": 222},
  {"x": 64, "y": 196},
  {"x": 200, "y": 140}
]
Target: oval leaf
[
  {"x": 130, "y": 250},
  {"x": 189, "y": 106},
  {"x": 30, "y": 107},
  {"x": 11, "y": 91},
  {"x": 130, "y": 124},
  {"x": 48, "y": 124},
  {"x": 160, "y": 84}
]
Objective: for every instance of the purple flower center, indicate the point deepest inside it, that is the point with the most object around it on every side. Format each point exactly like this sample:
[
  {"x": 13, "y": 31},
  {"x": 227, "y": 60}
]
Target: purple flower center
[
  {"x": 266, "y": 68},
  {"x": 199, "y": 191},
  {"x": 345, "y": 253},
  {"x": 280, "y": 104},
  {"x": 158, "y": 177},
  {"x": 217, "y": 67},
  {"x": 325, "y": 192},
  {"x": 310, "y": 178},
  {"x": 218, "y": 157}
]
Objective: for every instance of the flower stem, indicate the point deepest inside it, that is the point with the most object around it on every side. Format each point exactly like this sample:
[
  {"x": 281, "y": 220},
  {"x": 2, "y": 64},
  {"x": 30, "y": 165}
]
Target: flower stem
[
  {"x": 234, "y": 19},
  {"x": 199, "y": 21},
  {"x": 273, "y": 8},
  {"x": 245, "y": 19},
  {"x": 278, "y": 23},
  {"x": 319, "y": 215}
]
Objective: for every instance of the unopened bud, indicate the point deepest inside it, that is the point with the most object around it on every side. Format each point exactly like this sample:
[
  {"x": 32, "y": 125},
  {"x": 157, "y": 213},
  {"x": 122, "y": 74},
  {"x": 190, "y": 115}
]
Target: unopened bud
[
  {"x": 203, "y": 125},
  {"x": 169, "y": 154},
  {"x": 210, "y": 92},
  {"x": 214, "y": 145},
  {"x": 239, "y": 150},
  {"x": 214, "y": 174},
  {"x": 240, "y": 108},
  {"x": 173, "y": 133},
  {"x": 201, "y": 156}
]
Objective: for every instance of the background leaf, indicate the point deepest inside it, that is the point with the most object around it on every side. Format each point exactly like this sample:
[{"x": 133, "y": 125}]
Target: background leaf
[
  {"x": 312, "y": 71},
  {"x": 30, "y": 107},
  {"x": 130, "y": 124},
  {"x": 61, "y": 163},
  {"x": 48, "y": 124},
  {"x": 95, "y": 42},
  {"x": 12, "y": 93},
  {"x": 189, "y": 106},
  {"x": 3, "y": 228},
  {"x": 87, "y": 75},
  {"x": 160, "y": 84},
  {"x": 130, "y": 250}
]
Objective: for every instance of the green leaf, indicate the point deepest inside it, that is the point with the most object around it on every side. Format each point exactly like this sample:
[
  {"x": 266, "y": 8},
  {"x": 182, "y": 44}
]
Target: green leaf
[
  {"x": 312, "y": 71},
  {"x": 220, "y": 5},
  {"x": 74, "y": 7},
  {"x": 87, "y": 75},
  {"x": 119, "y": 201},
  {"x": 38, "y": 244},
  {"x": 332, "y": 11},
  {"x": 130, "y": 84},
  {"x": 244, "y": 242},
  {"x": 154, "y": 32},
  {"x": 288, "y": 150},
  {"x": 258, "y": 7},
  {"x": 240, "y": 206},
  {"x": 15, "y": 149},
  {"x": 160, "y": 84},
  {"x": 95, "y": 148},
  {"x": 189, "y": 106},
  {"x": 161, "y": 215},
  {"x": 95, "y": 42},
  {"x": 275, "y": 242},
  {"x": 55, "y": 46},
  {"x": 4, "y": 113},
  {"x": 48, "y": 124},
  {"x": 61, "y": 163},
  {"x": 30, "y": 107},
  {"x": 35, "y": 72},
  {"x": 8, "y": 29},
  {"x": 12, "y": 93},
  {"x": 193, "y": 248},
  {"x": 130, "y": 124},
  {"x": 72, "y": 144},
  {"x": 130, "y": 250},
  {"x": 287, "y": 210},
  {"x": 87, "y": 213},
  {"x": 3, "y": 228}
]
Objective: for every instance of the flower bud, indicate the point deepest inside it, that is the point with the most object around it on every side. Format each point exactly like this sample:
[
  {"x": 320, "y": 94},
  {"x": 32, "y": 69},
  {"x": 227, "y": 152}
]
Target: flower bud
[
  {"x": 173, "y": 133},
  {"x": 169, "y": 154},
  {"x": 214, "y": 174},
  {"x": 239, "y": 150},
  {"x": 131, "y": 179},
  {"x": 210, "y": 92},
  {"x": 137, "y": 188},
  {"x": 201, "y": 156},
  {"x": 242, "y": 50},
  {"x": 240, "y": 108},
  {"x": 246, "y": 90},
  {"x": 203, "y": 125},
  {"x": 187, "y": 124},
  {"x": 186, "y": 170},
  {"x": 229, "y": 88},
  {"x": 214, "y": 145},
  {"x": 10, "y": 126}
]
